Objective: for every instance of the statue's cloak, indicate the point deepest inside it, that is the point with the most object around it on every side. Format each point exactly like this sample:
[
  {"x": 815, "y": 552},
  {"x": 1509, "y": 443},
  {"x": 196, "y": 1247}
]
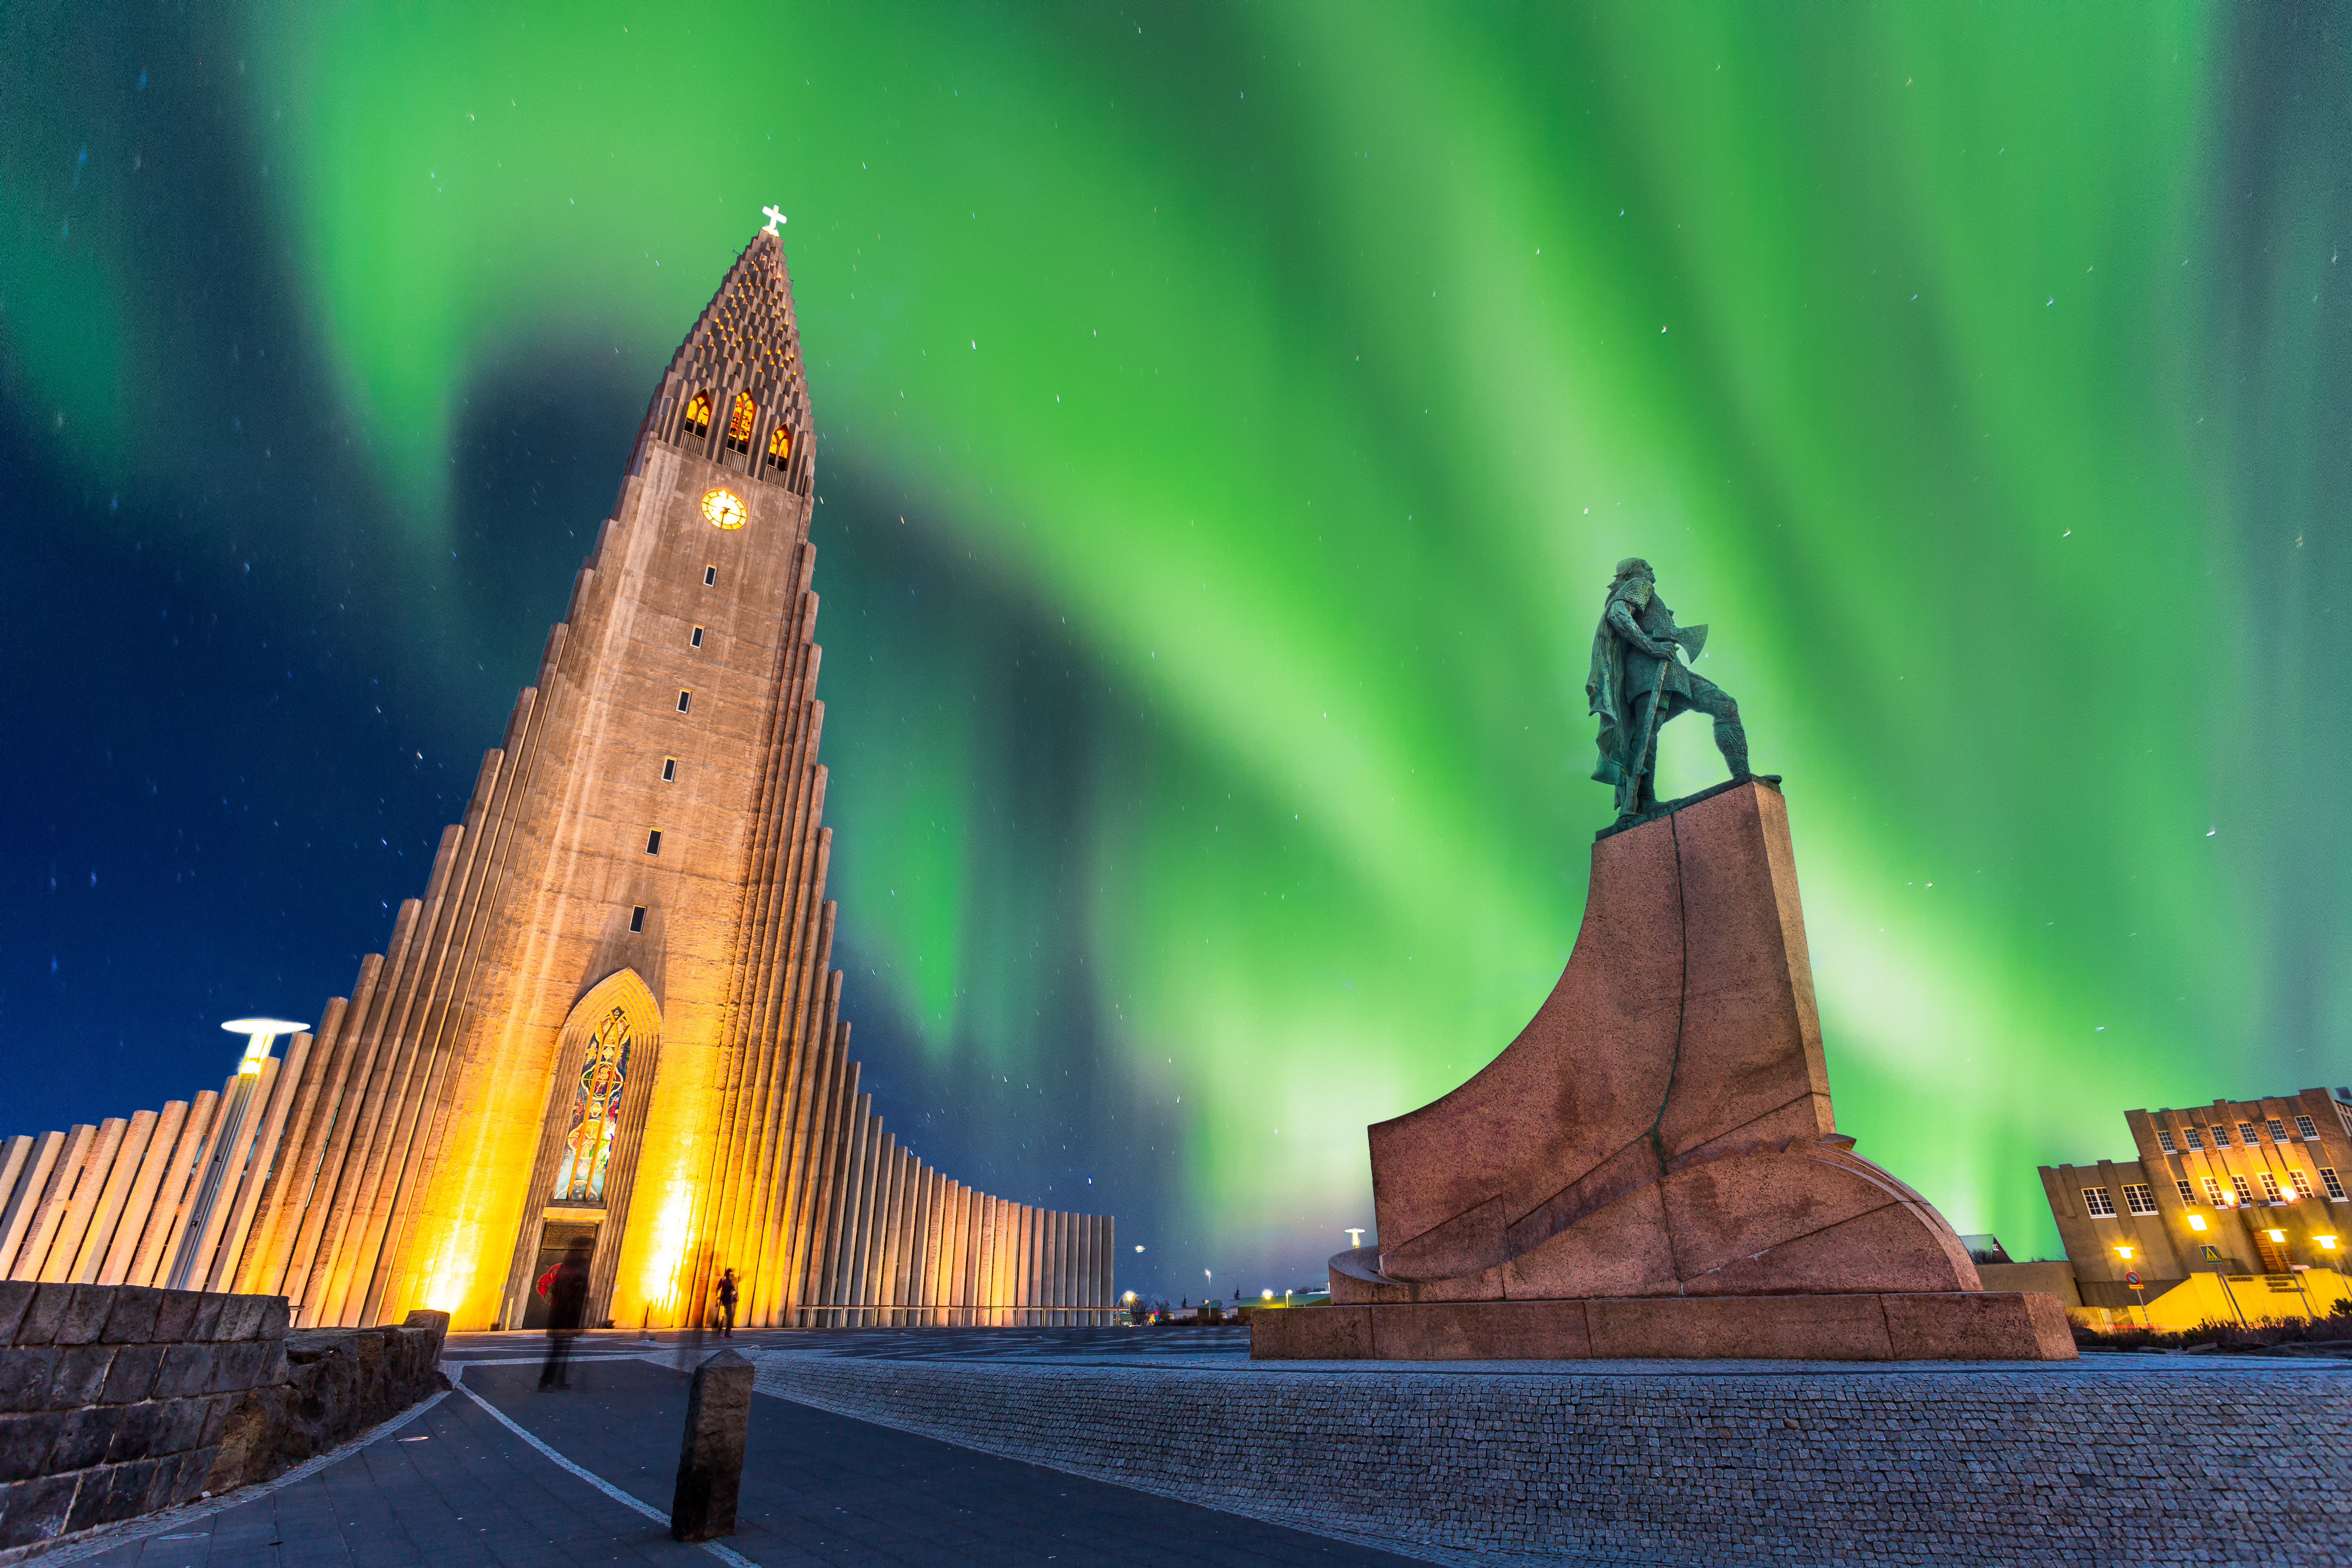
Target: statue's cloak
[{"x": 1617, "y": 678}]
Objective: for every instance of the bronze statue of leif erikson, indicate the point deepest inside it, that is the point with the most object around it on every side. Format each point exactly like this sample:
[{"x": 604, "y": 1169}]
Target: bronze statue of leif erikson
[{"x": 1638, "y": 681}]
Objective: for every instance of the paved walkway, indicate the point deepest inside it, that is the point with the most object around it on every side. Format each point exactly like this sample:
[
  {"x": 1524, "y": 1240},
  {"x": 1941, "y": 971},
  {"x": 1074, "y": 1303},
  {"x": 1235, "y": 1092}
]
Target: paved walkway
[{"x": 457, "y": 1488}]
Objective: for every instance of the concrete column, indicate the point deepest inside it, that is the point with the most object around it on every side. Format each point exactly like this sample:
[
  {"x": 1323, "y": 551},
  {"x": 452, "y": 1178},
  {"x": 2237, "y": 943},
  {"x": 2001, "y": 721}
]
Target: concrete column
[
  {"x": 254, "y": 1169},
  {"x": 107, "y": 1213},
  {"x": 165, "y": 1218},
  {"x": 38, "y": 1164},
  {"x": 139, "y": 1199},
  {"x": 952, "y": 1290},
  {"x": 32, "y": 1258},
  {"x": 1062, "y": 1302}
]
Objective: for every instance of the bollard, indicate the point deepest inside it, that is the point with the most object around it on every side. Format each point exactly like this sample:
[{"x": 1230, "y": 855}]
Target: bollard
[{"x": 710, "y": 1459}]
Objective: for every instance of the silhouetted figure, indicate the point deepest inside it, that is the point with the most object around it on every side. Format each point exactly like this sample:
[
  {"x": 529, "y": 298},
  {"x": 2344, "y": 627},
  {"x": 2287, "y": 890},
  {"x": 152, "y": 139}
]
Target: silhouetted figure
[
  {"x": 727, "y": 1305},
  {"x": 565, "y": 1285}
]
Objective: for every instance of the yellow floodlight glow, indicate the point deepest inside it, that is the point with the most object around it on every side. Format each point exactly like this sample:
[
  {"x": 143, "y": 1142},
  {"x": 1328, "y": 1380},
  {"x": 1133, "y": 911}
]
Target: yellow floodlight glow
[
  {"x": 2125, "y": 1253},
  {"x": 1266, "y": 1295},
  {"x": 2278, "y": 1235},
  {"x": 2327, "y": 1243},
  {"x": 260, "y": 1035},
  {"x": 2197, "y": 1222}
]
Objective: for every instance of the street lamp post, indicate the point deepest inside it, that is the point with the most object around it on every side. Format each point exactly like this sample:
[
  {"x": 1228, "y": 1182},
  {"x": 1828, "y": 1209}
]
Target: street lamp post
[{"x": 227, "y": 1144}]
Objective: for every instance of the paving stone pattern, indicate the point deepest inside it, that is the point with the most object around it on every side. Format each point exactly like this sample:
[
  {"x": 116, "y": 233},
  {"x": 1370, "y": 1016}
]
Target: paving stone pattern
[{"x": 2152, "y": 1461}]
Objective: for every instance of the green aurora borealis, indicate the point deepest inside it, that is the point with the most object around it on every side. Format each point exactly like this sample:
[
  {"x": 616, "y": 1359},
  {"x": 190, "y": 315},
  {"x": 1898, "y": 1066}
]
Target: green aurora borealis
[{"x": 1230, "y": 417}]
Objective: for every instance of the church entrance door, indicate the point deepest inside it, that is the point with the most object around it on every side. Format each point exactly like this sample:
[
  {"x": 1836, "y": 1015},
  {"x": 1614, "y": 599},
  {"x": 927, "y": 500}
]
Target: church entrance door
[{"x": 555, "y": 1238}]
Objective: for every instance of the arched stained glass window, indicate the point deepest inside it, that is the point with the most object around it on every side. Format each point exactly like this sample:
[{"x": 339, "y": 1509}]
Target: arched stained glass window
[
  {"x": 595, "y": 1113},
  {"x": 780, "y": 447},
  {"x": 740, "y": 422},
  {"x": 698, "y": 414}
]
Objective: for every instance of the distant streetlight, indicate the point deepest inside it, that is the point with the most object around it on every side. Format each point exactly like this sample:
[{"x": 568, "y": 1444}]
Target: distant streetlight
[
  {"x": 259, "y": 1034},
  {"x": 1355, "y": 1235}
]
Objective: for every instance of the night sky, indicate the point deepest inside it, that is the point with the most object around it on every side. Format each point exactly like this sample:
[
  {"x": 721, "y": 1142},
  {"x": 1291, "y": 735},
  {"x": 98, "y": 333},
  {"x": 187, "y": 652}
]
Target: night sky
[{"x": 1229, "y": 417}]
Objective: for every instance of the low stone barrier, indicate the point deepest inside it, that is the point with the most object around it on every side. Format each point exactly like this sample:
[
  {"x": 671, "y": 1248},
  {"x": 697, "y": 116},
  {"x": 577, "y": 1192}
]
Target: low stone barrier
[
  {"x": 119, "y": 1400},
  {"x": 2054, "y": 1463}
]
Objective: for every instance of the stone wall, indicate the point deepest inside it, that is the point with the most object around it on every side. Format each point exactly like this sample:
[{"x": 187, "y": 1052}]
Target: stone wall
[
  {"x": 119, "y": 1400},
  {"x": 2141, "y": 1461}
]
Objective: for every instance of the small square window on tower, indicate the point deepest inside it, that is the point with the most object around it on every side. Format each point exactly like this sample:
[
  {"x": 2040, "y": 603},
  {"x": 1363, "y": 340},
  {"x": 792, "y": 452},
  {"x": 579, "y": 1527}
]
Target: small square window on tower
[
  {"x": 711, "y": 576},
  {"x": 695, "y": 640},
  {"x": 685, "y": 701},
  {"x": 653, "y": 842},
  {"x": 670, "y": 769},
  {"x": 637, "y": 918},
  {"x": 2246, "y": 1133}
]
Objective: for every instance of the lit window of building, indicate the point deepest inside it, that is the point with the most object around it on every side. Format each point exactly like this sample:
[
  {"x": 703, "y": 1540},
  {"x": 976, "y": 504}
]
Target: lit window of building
[
  {"x": 2302, "y": 1184},
  {"x": 2196, "y": 1139},
  {"x": 2164, "y": 1140},
  {"x": 2327, "y": 1179},
  {"x": 2307, "y": 1127},
  {"x": 2213, "y": 1193},
  {"x": 2096, "y": 1200},
  {"x": 740, "y": 422},
  {"x": 2188, "y": 1193},
  {"x": 779, "y": 447},
  {"x": 2137, "y": 1198},
  {"x": 2270, "y": 1187},
  {"x": 698, "y": 414},
  {"x": 2245, "y": 1193},
  {"x": 2278, "y": 1129}
]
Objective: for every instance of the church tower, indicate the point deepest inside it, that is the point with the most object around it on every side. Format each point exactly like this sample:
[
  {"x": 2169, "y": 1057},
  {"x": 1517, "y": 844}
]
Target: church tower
[{"x": 611, "y": 1019}]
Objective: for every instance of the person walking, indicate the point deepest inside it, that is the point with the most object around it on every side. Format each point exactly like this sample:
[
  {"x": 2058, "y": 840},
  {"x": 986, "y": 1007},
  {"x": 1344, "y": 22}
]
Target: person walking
[
  {"x": 565, "y": 1285},
  {"x": 727, "y": 1305}
]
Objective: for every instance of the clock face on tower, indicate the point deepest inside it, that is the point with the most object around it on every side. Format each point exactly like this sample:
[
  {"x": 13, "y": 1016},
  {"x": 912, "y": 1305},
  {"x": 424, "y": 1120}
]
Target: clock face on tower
[{"x": 724, "y": 507}]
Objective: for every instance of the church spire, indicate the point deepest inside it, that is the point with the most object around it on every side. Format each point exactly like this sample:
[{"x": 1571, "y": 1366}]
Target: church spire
[{"x": 734, "y": 392}]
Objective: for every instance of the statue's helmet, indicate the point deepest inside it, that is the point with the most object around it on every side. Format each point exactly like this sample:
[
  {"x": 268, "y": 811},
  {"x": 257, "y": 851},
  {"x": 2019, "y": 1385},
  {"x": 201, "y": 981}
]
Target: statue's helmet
[{"x": 1634, "y": 566}]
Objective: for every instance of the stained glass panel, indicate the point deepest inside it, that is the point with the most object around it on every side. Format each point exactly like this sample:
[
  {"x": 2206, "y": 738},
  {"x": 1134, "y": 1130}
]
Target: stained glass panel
[{"x": 595, "y": 1113}]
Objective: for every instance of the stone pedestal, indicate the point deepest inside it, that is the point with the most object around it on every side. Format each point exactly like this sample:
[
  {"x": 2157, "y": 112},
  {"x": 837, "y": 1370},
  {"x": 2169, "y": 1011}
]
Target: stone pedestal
[
  {"x": 1653, "y": 1162},
  {"x": 710, "y": 1459}
]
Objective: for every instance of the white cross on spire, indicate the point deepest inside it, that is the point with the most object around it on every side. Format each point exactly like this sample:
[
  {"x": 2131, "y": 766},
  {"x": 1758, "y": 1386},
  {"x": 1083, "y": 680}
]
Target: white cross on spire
[{"x": 775, "y": 216}]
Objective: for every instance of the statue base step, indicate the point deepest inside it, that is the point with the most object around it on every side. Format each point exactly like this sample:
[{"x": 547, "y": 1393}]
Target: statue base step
[{"x": 1956, "y": 1325}]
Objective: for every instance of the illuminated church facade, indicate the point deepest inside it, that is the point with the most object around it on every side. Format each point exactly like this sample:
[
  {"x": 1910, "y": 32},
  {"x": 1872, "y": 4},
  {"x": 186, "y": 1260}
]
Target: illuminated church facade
[{"x": 612, "y": 1017}]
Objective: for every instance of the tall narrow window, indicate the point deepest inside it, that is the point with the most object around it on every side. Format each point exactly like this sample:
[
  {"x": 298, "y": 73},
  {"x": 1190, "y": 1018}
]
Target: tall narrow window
[
  {"x": 653, "y": 842},
  {"x": 2164, "y": 1140},
  {"x": 2096, "y": 1200},
  {"x": 2246, "y": 1133},
  {"x": 2196, "y": 1139},
  {"x": 697, "y": 416},
  {"x": 2213, "y": 1193},
  {"x": 2327, "y": 1179},
  {"x": 595, "y": 1113},
  {"x": 670, "y": 769},
  {"x": 2220, "y": 1135},
  {"x": 2137, "y": 1198},
  {"x": 637, "y": 918},
  {"x": 2270, "y": 1187},
  {"x": 685, "y": 701},
  {"x": 2245, "y": 1193},
  {"x": 2278, "y": 1129},
  {"x": 780, "y": 447},
  {"x": 2308, "y": 1128},
  {"x": 2188, "y": 1193},
  {"x": 740, "y": 422},
  {"x": 695, "y": 640},
  {"x": 2302, "y": 1184},
  {"x": 711, "y": 576}
]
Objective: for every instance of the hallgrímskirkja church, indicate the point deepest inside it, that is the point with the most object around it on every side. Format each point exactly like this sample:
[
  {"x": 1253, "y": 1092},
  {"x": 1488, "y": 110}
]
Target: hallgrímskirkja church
[{"x": 612, "y": 1017}]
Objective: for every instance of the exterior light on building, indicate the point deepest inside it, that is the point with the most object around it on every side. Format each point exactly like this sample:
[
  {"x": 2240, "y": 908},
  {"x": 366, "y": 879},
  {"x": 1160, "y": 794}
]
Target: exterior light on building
[
  {"x": 2197, "y": 1222},
  {"x": 2125, "y": 1253},
  {"x": 2327, "y": 1243},
  {"x": 2278, "y": 1235},
  {"x": 1266, "y": 1295},
  {"x": 1130, "y": 1298},
  {"x": 1355, "y": 1235},
  {"x": 259, "y": 1034}
]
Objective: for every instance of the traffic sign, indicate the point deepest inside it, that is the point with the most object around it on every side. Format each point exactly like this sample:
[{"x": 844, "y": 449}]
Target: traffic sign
[{"x": 2132, "y": 1280}]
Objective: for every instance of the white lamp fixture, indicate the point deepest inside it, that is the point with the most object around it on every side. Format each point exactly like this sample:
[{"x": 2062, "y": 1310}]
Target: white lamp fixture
[{"x": 260, "y": 1035}]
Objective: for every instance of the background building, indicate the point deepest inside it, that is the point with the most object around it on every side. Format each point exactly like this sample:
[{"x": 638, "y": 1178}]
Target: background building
[
  {"x": 611, "y": 1017},
  {"x": 2238, "y": 1208}
]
